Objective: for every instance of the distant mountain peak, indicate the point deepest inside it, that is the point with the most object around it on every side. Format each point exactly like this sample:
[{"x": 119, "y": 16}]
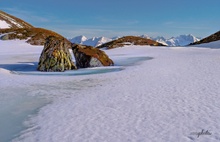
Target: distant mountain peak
[
  {"x": 145, "y": 36},
  {"x": 94, "y": 41},
  {"x": 181, "y": 40}
]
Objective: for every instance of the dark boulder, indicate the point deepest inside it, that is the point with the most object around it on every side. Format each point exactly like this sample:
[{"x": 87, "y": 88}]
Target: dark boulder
[
  {"x": 55, "y": 56},
  {"x": 88, "y": 56}
]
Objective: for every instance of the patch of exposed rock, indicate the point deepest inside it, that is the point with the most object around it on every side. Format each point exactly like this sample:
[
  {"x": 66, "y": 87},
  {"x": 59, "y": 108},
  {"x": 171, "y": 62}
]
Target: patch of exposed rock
[
  {"x": 88, "y": 56},
  {"x": 55, "y": 56},
  {"x": 129, "y": 40}
]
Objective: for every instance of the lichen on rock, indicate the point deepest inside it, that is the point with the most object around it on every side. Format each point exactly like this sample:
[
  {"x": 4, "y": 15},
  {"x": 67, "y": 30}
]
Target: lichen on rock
[{"x": 55, "y": 56}]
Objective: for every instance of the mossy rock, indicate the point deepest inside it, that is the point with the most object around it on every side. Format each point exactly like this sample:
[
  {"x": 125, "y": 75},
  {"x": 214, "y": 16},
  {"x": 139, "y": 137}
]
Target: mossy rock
[{"x": 55, "y": 56}]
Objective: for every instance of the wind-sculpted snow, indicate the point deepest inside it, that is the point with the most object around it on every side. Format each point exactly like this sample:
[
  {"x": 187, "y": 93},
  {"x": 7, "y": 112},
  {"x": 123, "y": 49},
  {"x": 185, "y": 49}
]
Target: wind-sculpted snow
[{"x": 172, "y": 94}]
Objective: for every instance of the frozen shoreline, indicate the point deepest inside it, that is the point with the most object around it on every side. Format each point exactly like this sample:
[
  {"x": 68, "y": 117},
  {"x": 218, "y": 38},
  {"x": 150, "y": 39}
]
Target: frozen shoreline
[{"x": 16, "y": 107}]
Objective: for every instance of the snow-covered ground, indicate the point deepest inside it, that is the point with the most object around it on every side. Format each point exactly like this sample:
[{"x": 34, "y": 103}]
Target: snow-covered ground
[
  {"x": 160, "y": 94},
  {"x": 215, "y": 44},
  {"x": 4, "y": 24}
]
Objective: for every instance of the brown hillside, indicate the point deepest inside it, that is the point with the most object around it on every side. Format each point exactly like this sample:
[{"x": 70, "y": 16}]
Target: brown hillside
[
  {"x": 24, "y": 31},
  {"x": 129, "y": 40},
  {"x": 211, "y": 38},
  {"x": 34, "y": 36},
  {"x": 13, "y": 21}
]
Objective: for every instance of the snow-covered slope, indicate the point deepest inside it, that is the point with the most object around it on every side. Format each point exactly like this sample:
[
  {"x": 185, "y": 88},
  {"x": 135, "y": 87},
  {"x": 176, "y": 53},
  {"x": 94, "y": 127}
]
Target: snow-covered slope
[
  {"x": 95, "y": 41},
  {"x": 9, "y": 21},
  {"x": 171, "y": 97},
  {"x": 4, "y": 24},
  {"x": 214, "y": 44}
]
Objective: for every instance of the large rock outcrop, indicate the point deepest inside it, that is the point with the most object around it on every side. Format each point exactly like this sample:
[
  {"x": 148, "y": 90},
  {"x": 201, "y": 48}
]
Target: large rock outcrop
[
  {"x": 55, "y": 56},
  {"x": 88, "y": 56}
]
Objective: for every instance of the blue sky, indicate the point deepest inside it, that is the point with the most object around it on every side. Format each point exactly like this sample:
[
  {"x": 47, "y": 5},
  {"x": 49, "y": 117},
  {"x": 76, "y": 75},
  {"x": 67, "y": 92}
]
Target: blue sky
[{"x": 119, "y": 17}]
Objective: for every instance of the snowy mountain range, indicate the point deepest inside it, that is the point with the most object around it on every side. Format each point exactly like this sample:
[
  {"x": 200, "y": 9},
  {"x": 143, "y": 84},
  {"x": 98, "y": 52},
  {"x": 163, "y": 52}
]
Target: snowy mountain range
[
  {"x": 181, "y": 40},
  {"x": 95, "y": 41}
]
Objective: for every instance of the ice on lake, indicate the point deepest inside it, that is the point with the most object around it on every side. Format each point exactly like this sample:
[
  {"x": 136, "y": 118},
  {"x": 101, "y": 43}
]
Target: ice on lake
[{"x": 15, "y": 107}]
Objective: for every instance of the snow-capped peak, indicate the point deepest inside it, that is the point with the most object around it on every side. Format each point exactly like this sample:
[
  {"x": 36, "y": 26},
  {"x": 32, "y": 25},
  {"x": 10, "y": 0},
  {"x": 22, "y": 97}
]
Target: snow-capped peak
[
  {"x": 78, "y": 39},
  {"x": 181, "y": 40},
  {"x": 145, "y": 36},
  {"x": 94, "y": 41}
]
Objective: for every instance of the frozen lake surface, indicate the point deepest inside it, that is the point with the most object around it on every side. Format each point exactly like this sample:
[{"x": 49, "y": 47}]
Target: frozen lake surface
[
  {"x": 18, "y": 102},
  {"x": 15, "y": 107},
  {"x": 152, "y": 94}
]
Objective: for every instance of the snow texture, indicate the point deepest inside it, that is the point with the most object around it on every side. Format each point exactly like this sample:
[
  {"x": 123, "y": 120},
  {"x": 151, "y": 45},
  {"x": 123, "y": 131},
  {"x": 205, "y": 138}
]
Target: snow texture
[
  {"x": 4, "y": 25},
  {"x": 215, "y": 44},
  {"x": 162, "y": 94}
]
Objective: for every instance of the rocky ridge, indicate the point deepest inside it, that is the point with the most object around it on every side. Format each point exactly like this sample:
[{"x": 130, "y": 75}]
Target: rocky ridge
[
  {"x": 211, "y": 38},
  {"x": 19, "y": 29},
  {"x": 129, "y": 40},
  {"x": 12, "y": 21},
  {"x": 34, "y": 36}
]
